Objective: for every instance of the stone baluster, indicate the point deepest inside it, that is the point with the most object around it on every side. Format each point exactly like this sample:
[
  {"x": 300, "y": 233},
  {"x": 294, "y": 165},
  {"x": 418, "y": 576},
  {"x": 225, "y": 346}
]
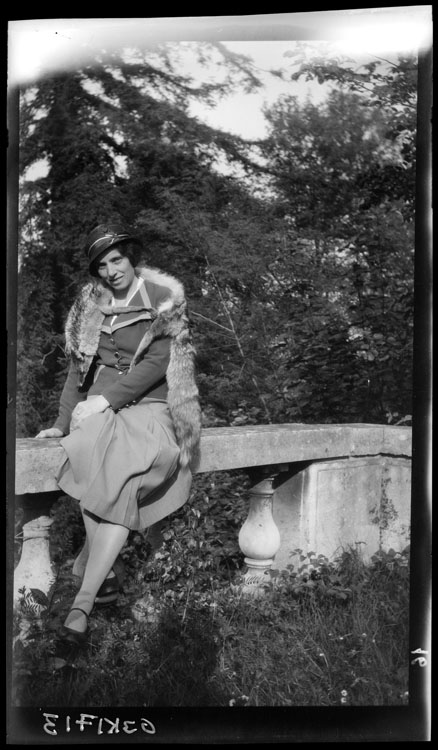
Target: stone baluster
[
  {"x": 259, "y": 537},
  {"x": 35, "y": 573}
]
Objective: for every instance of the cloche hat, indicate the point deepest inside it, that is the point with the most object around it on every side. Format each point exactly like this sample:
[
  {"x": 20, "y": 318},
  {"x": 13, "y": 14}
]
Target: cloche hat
[{"x": 105, "y": 236}]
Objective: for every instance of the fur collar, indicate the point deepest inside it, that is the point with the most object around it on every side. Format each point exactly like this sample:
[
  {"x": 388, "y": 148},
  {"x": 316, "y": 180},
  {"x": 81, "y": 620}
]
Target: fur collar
[
  {"x": 175, "y": 292},
  {"x": 84, "y": 321}
]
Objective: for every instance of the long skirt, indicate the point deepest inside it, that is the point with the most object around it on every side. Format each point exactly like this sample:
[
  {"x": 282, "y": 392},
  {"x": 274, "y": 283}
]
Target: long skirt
[{"x": 123, "y": 466}]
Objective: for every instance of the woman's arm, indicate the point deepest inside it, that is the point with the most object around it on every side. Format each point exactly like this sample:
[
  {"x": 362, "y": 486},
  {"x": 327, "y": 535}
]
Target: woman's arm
[
  {"x": 51, "y": 432},
  {"x": 70, "y": 397},
  {"x": 147, "y": 373}
]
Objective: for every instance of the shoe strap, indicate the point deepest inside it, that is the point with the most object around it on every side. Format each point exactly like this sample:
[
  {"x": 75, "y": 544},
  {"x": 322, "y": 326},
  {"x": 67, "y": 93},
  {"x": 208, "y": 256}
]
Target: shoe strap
[{"x": 79, "y": 609}]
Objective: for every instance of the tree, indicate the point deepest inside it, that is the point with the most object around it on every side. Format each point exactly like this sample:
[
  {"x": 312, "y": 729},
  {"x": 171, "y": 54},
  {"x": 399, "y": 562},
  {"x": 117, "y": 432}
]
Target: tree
[
  {"x": 388, "y": 87},
  {"x": 359, "y": 254},
  {"x": 117, "y": 140}
]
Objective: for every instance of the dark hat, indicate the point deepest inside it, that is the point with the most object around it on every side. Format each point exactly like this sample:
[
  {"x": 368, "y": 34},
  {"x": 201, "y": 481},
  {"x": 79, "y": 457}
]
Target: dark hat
[{"x": 105, "y": 236}]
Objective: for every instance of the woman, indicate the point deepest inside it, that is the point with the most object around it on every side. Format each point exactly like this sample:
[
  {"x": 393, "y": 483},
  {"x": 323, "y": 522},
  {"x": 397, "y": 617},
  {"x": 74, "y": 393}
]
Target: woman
[{"x": 129, "y": 410}]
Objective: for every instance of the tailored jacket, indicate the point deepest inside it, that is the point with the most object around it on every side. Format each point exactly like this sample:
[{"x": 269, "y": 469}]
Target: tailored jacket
[{"x": 162, "y": 364}]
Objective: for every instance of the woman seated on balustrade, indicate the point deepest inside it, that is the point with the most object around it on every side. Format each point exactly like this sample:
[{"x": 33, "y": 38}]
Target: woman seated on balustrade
[{"x": 129, "y": 412}]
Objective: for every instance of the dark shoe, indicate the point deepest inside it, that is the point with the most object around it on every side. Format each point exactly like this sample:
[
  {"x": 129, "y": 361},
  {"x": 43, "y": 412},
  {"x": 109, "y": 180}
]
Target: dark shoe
[
  {"x": 110, "y": 588},
  {"x": 75, "y": 636},
  {"x": 119, "y": 569},
  {"x": 108, "y": 592}
]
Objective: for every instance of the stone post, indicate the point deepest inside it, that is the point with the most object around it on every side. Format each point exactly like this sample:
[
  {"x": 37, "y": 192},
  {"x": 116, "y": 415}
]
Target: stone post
[
  {"x": 35, "y": 574},
  {"x": 259, "y": 538}
]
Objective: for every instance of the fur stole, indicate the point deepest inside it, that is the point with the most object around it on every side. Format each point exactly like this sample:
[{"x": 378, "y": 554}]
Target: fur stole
[{"x": 82, "y": 333}]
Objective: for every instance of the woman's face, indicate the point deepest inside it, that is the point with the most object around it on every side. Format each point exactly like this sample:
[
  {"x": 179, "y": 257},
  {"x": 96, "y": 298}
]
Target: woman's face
[{"x": 116, "y": 270}]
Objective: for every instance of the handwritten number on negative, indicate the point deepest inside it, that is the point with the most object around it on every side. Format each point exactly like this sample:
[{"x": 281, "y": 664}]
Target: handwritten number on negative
[{"x": 420, "y": 660}]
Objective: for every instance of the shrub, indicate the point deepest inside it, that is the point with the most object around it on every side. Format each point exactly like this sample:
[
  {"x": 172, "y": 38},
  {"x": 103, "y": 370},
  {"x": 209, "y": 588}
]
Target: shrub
[
  {"x": 323, "y": 632},
  {"x": 200, "y": 542}
]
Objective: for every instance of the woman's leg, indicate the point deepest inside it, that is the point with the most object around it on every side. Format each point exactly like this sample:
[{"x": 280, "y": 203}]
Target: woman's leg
[
  {"x": 91, "y": 524},
  {"x": 107, "y": 543}
]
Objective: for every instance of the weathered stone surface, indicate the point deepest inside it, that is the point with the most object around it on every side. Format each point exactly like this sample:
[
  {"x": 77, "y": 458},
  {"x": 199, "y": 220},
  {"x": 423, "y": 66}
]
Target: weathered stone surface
[
  {"x": 34, "y": 574},
  {"x": 226, "y": 448},
  {"x": 331, "y": 506},
  {"x": 36, "y": 462},
  {"x": 395, "y": 504}
]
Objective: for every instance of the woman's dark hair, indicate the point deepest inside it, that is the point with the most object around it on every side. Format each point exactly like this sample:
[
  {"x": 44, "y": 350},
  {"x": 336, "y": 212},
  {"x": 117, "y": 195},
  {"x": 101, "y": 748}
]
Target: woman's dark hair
[{"x": 128, "y": 249}]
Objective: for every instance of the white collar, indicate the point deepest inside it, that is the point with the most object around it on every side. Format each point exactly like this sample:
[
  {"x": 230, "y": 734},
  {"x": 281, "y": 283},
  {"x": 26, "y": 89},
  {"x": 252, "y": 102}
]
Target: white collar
[{"x": 125, "y": 303}]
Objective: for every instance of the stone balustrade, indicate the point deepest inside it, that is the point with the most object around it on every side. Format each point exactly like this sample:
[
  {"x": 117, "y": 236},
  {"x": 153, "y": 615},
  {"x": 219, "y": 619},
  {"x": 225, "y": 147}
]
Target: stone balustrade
[{"x": 320, "y": 488}]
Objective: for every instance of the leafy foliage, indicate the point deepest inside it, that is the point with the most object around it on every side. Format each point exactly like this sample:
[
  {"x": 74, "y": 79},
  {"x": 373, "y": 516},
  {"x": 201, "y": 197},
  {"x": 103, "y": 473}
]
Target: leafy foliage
[
  {"x": 325, "y": 633},
  {"x": 200, "y": 541},
  {"x": 352, "y": 268}
]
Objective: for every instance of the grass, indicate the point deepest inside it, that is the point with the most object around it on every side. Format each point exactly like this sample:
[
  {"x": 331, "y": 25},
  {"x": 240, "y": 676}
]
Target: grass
[
  {"x": 324, "y": 634},
  {"x": 311, "y": 646}
]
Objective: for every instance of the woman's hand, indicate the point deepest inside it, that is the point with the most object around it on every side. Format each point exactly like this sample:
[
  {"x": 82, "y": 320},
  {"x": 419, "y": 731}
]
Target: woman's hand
[
  {"x": 51, "y": 432},
  {"x": 93, "y": 405}
]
